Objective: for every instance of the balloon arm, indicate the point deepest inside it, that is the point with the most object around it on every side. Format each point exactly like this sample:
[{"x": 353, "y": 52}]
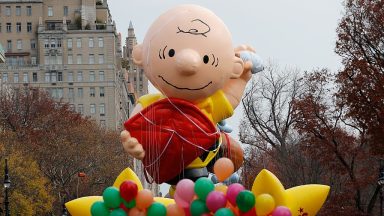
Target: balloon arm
[{"x": 234, "y": 89}]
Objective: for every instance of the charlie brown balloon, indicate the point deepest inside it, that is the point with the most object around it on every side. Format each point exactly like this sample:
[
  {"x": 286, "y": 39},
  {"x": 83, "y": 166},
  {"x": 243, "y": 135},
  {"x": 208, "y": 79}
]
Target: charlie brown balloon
[{"x": 188, "y": 55}]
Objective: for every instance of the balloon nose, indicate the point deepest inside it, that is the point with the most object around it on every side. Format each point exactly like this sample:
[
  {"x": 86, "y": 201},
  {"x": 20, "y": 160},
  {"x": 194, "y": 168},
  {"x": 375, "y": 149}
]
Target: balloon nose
[{"x": 188, "y": 61}]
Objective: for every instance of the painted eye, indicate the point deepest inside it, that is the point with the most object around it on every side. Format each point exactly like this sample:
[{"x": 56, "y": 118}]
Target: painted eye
[
  {"x": 205, "y": 59},
  {"x": 171, "y": 52}
]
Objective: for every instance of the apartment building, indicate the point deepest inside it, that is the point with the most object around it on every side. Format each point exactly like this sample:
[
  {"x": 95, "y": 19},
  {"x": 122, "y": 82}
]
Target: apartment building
[{"x": 69, "y": 48}]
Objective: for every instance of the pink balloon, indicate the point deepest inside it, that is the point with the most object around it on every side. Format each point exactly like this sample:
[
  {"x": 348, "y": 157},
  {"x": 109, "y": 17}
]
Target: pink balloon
[
  {"x": 281, "y": 211},
  {"x": 216, "y": 200},
  {"x": 185, "y": 189},
  {"x": 180, "y": 202},
  {"x": 232, "y": 192}
]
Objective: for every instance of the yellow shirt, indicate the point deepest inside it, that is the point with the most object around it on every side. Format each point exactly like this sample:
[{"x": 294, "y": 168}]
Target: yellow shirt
[{"x": 216, "y": 107}]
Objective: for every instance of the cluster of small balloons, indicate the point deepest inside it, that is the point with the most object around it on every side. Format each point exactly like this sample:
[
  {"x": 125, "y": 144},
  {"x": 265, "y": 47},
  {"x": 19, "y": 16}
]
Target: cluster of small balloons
[
  {"x": 204, "y": 198},
  {"x": 127, "y": 200}
]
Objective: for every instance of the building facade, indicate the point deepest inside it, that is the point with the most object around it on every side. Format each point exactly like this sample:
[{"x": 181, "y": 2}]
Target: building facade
[{"x": 69, "y": 48}]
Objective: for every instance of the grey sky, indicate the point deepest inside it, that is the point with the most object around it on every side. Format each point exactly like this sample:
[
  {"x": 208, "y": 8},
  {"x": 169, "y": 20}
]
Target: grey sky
[{"x": 295, "y": 33}]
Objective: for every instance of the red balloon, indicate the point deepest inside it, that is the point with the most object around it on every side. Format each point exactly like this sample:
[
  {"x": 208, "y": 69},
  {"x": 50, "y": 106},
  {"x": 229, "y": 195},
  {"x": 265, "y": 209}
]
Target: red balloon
[
  {"x": 128, "y": 190},
  {"x": 251, "y": 212}
]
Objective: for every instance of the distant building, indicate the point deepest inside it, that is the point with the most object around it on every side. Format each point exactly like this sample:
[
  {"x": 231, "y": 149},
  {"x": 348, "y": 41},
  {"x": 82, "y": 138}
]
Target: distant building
[
  {"x": 135, "y": 77},
  {"x": 69, "y": 48}
]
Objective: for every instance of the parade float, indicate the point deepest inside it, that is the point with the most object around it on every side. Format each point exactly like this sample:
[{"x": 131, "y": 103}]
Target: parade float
[{"x": 180, "y": 136}]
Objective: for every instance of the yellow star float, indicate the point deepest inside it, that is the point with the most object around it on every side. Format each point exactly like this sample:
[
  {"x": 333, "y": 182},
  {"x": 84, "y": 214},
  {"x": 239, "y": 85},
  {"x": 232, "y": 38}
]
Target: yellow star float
[{"x": 304, "y": 200}]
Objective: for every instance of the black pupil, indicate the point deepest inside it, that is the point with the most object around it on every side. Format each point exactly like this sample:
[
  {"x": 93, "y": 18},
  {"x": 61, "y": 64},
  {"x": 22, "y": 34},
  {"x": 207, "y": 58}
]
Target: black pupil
[
  {"x": 206, "y": 59},
  {"x": 171, "y": 52}
]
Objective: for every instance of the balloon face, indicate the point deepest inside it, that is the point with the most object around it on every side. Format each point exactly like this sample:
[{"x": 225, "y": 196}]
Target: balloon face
[{"x": 187, "y": 53}]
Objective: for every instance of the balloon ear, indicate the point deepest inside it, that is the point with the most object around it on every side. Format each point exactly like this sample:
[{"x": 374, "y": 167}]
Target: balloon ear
[
  {"x": 137, "y": 55},
  {"x": 238, "y": 68}
]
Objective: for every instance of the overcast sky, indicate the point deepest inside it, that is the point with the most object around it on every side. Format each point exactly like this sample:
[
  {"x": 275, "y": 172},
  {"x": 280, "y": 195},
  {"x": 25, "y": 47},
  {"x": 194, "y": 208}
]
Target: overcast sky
[{"x": 295, "y": 33}]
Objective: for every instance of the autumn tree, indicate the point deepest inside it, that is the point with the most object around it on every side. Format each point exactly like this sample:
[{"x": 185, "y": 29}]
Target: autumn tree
[
  {"x": 360, "y": 43},
  {"x": 63, "y": 143},
  {"x": 339, "y": 143}
]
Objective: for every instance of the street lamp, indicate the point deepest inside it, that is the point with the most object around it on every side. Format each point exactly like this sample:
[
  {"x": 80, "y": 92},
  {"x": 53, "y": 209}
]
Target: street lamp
[
  {"x": 7, "y": 184},
  {"x": 380, "y": 182}
]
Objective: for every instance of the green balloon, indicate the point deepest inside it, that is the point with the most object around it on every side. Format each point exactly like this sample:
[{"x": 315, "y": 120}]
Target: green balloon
[
  {"x": 245, "y": 200},
  {"x": 198, "y": 208},
  {"x": 99, "y": 209},
  {"x": 130, "y": 204},
  {"x": 112, "y": 198},
  {"x": 118, "y": 212},
  {"x": 157, "y": 209},
  {"x": 224, "y": 212},
  {"x": 203, "y": 186}
]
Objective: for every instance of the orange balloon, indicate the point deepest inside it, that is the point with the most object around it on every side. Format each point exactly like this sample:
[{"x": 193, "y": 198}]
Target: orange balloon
[
  {"x": 174, "y": 210},
  {"x": 136, "y": 212},
  {"x": 223, "y": 168},
  {"x": 144, "y": 199},
  {"x": 221, "y": 188}
]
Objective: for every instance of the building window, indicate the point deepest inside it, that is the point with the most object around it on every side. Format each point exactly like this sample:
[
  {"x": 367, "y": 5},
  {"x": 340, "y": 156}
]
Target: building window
[
  {"x": 92, "y": 76},
  {"x": 5, "y": 77},
  {"x": 18, "y": 10},
  {"x": 71, "y": 93},
  {"x": 80, "y": 92},
  {"x": 29, "y": 27},
  {"x": 101, "y": 75},
  {"x": 92, "y": 92},
  {"x": 9, "y": 45},
  {"x": 90, "y": 43},
  {"x": 47, "y": 77},
  {"x": 78, "y": 42},
  {"x": 70, "y": 76},
  {"x": 25, "y": 77},
  {"x": 79, "y": 59},
  {"x": 15, "y": 77},
  {"x": 93, "y": 109},
  {"x": 46, "y": 43},
  {"x": 29, "y": 10},
  {"x": 91, "y": 59},
  {"x": 102, "y": 92},
  {"x": 80, "y": 109},
  {"x": 101, "y": 42},
  {"x": 58, "y": 42},
  {"x": 0, "y": 24},
  {"x": 53, "y": 43},
  {"x": 33, "y": 60},
  {"x": 69, "y": 43},
  {"x": 18, "y": 27},
  {"x": 70, "y": 59},
  {"x": 34, "y": 77},
  {"x": 19, "y": 44},
  {"x": 53, "y": 77},
  {"x": 79, "y": 76},
  {"x": 8, "y": 10},
  {"x": 50, "y": 11},
  {"x": 65, "y": 10},
  {"x": 101, "y": 58},
  {"x": 9, "y": 27},
  {"x": 102, "y": 109},
  {"x": 33, "y": 44},
  {"x": 103, "y": 124},
  {"x": 60, "y": 76},
  {"x": 72, "y": 107}
]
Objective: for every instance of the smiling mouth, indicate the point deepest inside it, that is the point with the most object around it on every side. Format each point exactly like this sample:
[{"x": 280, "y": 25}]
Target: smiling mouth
[{"x": 180, "y": 88}]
